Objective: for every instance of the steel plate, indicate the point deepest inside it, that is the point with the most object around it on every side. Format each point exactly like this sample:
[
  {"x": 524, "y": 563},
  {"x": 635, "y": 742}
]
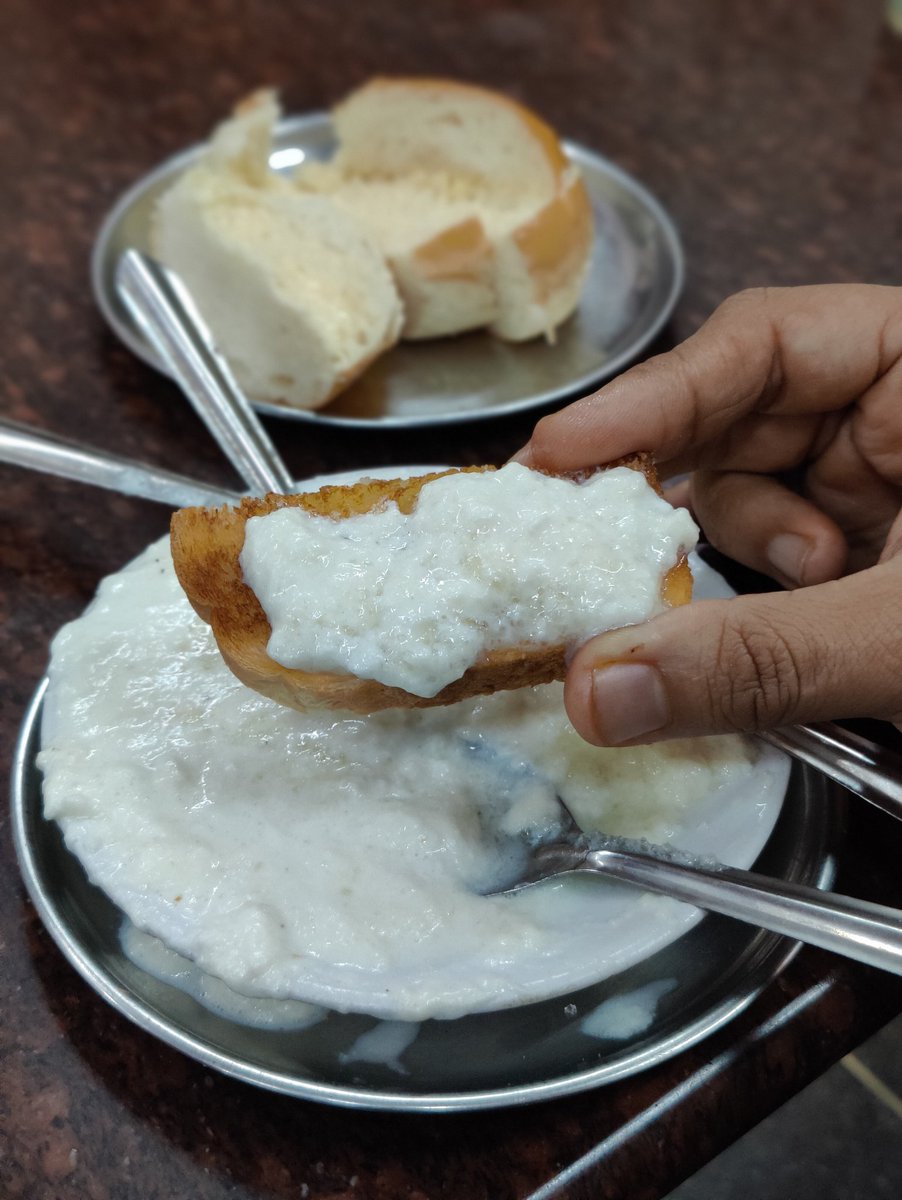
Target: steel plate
[
  {"x": 515, "y": 1056},
  {"x": 635, "y": 277}
]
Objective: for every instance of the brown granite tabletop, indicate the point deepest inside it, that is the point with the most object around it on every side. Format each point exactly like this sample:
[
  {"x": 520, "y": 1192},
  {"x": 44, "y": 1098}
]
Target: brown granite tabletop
[{"x": 772, "y": 134}]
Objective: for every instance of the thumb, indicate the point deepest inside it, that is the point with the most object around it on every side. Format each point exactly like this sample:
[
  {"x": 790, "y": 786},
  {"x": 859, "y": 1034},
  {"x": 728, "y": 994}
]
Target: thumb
[{"x": 715, "y": 666}]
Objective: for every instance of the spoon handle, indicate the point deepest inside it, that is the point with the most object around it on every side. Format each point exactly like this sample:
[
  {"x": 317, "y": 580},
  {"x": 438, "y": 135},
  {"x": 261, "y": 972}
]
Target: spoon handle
[
  {"x": 864, "y": 767},
  {"x": 41, "y": 451},
  {"x": 166, "y": 315},
  {"x": 869, "y": 933}
]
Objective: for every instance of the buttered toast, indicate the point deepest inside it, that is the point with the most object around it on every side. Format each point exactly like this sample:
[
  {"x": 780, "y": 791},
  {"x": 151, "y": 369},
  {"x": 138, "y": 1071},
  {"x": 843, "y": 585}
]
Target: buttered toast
[{"x": 206, "y": 548}]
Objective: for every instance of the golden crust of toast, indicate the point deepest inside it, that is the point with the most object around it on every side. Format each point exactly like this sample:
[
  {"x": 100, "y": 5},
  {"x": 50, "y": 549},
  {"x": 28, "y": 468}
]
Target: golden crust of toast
[{"x": 207, "y": 542}]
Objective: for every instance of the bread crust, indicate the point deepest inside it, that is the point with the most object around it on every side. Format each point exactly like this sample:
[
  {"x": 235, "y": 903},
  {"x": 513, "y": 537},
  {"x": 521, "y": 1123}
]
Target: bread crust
[
  {"x": 540, "y": 131},
  {"x": 555, "y": 246},
  {"x": 206, "y": 545},
  {"x": 520, "y": 283}
]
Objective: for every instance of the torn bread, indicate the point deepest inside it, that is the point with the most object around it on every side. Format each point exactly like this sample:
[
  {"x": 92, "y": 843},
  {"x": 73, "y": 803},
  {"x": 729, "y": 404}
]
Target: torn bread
[
  {"x": 296, "y": 293},
  {"x": 206, "y": 548},
  {"x": 482, "y": 217}
]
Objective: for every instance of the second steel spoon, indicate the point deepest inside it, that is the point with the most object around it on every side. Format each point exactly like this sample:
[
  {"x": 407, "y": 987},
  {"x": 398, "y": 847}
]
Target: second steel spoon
[{"x": 168, "y": 318}]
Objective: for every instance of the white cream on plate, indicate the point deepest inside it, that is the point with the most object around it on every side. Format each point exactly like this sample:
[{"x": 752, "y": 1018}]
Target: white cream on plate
[
  {"x": 485, "y": 560},
  {"x": 338, "y": 859},
  {"x": 625, "y": 1016},
  {"x": 159, "y": 960}
]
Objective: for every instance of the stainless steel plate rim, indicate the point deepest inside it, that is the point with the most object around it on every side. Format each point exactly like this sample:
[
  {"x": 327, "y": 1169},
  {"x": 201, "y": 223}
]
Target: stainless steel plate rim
[
  {"x": 773, "y": 953},
  {"x": 316, "y": 121}
]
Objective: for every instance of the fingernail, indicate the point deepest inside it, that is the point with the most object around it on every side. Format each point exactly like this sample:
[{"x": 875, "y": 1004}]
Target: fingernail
[
  {"x": 523, "y": 456},
  {"x": 630, "y": 701},
  {"x": 787, "y": 553}
]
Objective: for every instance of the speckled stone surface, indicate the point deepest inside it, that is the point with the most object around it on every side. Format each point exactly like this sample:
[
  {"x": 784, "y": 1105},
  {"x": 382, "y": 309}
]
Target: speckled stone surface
[{"x": 771, "y": 132}]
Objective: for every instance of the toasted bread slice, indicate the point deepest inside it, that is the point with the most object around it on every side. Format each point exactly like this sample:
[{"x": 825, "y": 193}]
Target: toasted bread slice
[{"x": 207, "y": 543}]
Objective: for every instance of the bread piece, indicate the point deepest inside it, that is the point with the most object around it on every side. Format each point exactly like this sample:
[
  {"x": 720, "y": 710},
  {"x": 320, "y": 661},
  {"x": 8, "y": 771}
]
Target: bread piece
[
  {"x": 482, "y": 217},
  {"x": 295, "y": 291},
  {"x": 206, "y": 544}
]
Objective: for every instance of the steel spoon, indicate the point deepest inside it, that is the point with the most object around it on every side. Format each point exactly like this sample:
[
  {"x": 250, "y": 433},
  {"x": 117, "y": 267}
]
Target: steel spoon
[
  {"x": 858, "y": 929},
  {"x": 166, "y": 315},
  {"x": 21, "y": 446},
  {"x": 872, "y": 771}
]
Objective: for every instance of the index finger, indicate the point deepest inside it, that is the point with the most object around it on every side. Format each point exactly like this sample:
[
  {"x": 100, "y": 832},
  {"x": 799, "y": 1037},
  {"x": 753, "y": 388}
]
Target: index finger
[{"x": 787, "y": 351}]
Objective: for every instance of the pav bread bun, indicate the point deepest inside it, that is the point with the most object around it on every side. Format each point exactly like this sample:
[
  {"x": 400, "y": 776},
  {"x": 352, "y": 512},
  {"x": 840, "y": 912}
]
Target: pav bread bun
[
  {"x": 482, "y": 217},
  {"x": 295, "y": 291},
  {"x": 207, "y": 543}
]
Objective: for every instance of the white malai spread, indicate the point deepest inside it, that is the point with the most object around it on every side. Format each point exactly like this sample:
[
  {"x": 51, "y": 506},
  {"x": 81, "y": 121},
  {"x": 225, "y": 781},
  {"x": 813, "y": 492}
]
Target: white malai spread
[
  {"x": 337, "y": 860},
  {"x": 485, "y": 560}
]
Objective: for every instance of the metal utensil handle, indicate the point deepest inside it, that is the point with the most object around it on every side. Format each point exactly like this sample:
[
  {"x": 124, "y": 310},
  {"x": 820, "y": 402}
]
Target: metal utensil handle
[
  {"x": 40, "y": 451},
  {"x": 870, "y": 933},
  {"x": 871, "y": 771},
  {"x": 166, "y": 315}
]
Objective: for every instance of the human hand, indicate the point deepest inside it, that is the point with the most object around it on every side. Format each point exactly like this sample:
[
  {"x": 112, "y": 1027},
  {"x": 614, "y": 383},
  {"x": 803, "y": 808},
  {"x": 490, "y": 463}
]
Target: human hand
[{"x": 803, "y": 380}]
